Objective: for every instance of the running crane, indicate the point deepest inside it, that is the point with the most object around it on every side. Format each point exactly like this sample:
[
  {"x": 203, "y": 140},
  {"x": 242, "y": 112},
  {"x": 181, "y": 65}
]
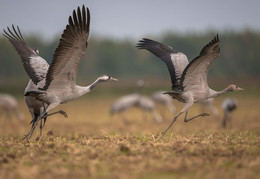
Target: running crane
[
  {"x": 189, "y": 80},
  {"x": 59, "y": 86}
]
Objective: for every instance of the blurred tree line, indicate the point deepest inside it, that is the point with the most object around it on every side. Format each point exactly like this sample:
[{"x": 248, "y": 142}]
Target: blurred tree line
[{"x": 240, "y": 56}]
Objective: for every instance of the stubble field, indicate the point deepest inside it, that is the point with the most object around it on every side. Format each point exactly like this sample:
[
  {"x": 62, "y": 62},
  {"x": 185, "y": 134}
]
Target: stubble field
[{"x": 92, "y": 144}]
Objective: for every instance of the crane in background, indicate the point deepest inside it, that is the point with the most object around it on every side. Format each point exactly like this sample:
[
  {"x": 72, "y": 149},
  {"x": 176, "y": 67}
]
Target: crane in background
[
  {"x": 10, "y": 106},
  {"x": 137, "y": 100},
  {"x": 228, "y": 106}
]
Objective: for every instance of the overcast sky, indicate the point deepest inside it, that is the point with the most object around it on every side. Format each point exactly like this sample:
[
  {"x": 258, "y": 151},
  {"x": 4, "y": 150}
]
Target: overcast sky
[{"x": 131, "y": 18}]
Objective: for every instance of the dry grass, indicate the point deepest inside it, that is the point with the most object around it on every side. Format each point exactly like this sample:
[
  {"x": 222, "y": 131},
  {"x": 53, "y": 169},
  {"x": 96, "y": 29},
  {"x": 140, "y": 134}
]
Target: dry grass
[{"x": 92, "y": 144}]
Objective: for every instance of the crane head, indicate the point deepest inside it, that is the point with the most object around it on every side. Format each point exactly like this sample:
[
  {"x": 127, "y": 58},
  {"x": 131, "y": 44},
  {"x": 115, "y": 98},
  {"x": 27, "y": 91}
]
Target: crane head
[
  {"x": 234, "y": 88},
  {"x": 105, "y": 78}
]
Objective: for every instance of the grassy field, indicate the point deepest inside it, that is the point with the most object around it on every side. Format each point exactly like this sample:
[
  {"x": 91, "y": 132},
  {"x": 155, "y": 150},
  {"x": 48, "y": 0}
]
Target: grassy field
[{"x": 92, "y": 144}]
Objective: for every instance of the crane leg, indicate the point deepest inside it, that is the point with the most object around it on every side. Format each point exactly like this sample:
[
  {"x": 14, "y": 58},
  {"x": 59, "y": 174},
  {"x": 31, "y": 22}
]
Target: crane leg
[
  {"x": 50, "y": 107},
  {"x": 171, "y": 123},
  {"x": 223, "y": 123},
  {"x": 156, "y": 117},
  {"x": 60, "y": 112},
  {"x": 225, "y": 119},
  {"x": 41, "y": 126},
  {"x": 230, "y": 121},
  {"x": 202, "y": 115},
  {"x": 35, "y": 122},
  {"x": 44, "y": 121},
  {"x": 45, "y": 118}
]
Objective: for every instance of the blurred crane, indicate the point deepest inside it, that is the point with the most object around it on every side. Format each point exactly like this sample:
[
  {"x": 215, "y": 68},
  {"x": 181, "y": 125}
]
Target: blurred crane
[
  {"x": 135, "y": 100},
  {"x": 208, "y": 103},
  {"x": 164, "y": 99},
  {"x": 58, "y": 85},
  {"x": 9, "y": 104},
  {"x": 189, "y": 80},
  {"x": 228, "y": 106},
  {"x": 147, "y": 104},
  {"x": 124, "y": 103}
]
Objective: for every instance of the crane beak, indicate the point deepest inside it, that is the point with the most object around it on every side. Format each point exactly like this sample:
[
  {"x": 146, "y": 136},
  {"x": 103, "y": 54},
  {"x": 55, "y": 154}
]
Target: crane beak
[
  {"x": 239, "y": 88},
  {"x": 113, "y": 79}
]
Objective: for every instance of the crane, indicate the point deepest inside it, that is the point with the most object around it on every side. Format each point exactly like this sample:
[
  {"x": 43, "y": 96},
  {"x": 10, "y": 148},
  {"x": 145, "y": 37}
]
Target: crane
[
  {"x": 163, "y": 99},
  {"x": 135, "y": 100},
  {"x": 208, "y": 103},
  {"x": 189, "y": 80},
  {"x": 59, "y": 85},
  {"x": 228, "y": 106},
  {"x": 10, "y": 105},
  {"x": 125, "y": 102},
  {"x": 36, "y": 68}
]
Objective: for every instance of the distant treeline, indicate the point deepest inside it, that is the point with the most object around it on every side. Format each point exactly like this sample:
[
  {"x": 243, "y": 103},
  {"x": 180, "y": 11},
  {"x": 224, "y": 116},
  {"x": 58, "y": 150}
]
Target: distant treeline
[{"x": 240, "y": 56}]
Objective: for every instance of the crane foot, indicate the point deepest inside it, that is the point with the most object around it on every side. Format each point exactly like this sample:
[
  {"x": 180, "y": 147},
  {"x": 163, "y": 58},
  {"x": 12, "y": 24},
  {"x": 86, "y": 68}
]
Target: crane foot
[{"x": 205, "y": 114}]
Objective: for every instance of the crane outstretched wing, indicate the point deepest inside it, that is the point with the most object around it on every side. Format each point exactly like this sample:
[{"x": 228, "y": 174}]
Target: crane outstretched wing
[
  {"x": 195, "y": 74},
  {"x": 175, "y": 61},
  {"x": 35, "y": 66},
  {"x": 73, "y": 45}
]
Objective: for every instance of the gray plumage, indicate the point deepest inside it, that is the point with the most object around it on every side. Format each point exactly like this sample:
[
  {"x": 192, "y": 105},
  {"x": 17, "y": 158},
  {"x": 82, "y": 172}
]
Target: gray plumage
[
  {"x": 175, "y": 61},
  {"x": 135, "y": 100},
  {"x": 191, "y": 86},
  {"x": 58, "y": 82},
  {"x": 124, "y": 103},
  {"x": 36, "y": 68},
  {"x": 68, "y": 55}
]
